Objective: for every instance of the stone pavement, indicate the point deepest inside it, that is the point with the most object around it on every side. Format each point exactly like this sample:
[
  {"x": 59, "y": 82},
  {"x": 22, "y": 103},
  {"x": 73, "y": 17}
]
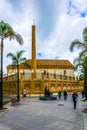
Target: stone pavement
[{"x": 35, "y": 114}]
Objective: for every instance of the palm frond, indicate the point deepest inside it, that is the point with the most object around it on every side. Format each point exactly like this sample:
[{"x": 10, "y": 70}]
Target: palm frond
[
  {"x": 20, "y": 53},
  {"x": 10, "y": 55},
  {"x": 83, "y": 53},
  {"x": 85, "y": 36},
  {"x": 16, "y": 58},
  {"x": 6, "y": 31},
  {"x": 76, "y": 43},
  {"x": 19, "y": 38},
  {"x": 85, "y": 30},
  {"x": 22, "y": 60},
  {"x": 78, "y": 65}
]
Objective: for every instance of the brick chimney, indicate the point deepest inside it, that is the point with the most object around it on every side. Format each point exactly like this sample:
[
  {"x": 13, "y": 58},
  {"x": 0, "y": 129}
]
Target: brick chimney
[{"x": 33, "y": 51}]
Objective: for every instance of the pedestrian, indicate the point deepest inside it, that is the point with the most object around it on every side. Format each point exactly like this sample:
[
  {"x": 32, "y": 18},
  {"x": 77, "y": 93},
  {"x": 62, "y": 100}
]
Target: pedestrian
[
  {"x": 24, "y": 92},
  {"x": 45, "y": 91},
  {"x": 59, "y": 94},
  {"x": 65, "y": 94},
  {"x": 48, "y": 93},
  {"x": 75, "y": 99},
  {"x": 83, "y": 94}
]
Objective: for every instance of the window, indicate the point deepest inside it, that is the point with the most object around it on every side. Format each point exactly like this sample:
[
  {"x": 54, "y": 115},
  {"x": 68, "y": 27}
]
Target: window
[
  {"x": 45, "y": 72},
  {"x": 64, "y": 72}
]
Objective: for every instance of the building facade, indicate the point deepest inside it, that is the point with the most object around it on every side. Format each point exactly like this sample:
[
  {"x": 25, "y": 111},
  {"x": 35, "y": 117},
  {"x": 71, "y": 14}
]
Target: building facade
[{"x": 39, "y": 73}]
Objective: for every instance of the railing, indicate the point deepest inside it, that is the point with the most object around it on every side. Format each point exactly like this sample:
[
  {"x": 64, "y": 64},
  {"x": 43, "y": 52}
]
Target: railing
[{"x": 41, "y": 76}]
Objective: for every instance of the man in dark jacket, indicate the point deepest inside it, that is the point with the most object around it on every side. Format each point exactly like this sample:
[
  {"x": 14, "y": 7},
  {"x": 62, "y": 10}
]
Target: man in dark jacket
[
  {"x": 65, "y": 94},
  {"x": 75, "y": 98}
]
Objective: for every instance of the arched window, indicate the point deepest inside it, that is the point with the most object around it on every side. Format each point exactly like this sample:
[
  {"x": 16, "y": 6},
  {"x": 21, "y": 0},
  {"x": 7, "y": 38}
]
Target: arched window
[{"x": 64, "y": 72}]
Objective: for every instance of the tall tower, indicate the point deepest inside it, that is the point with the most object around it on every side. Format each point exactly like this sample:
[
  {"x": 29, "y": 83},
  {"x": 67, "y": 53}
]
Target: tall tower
[{"x": 33, "y": 51}]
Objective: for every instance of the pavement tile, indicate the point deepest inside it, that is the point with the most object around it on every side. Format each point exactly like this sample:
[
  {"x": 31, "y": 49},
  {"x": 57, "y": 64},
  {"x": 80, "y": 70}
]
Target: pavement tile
[{"x": 34, "y": 114}]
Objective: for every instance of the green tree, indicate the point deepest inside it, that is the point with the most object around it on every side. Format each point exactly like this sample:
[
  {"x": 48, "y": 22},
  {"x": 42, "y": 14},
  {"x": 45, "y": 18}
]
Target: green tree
[
  {"x": 6, "y": 31},
  {"x": 16, "y": 60},
  {"x": 81, "y": 59}
]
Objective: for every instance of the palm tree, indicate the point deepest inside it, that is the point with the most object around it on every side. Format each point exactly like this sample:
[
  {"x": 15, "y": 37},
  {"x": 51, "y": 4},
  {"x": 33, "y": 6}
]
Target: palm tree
[
  {"x": 16, "y": 60},
  {"x": 83, "y": 52},
  {"x": 6, "y": 31},
  {"x": 82, "y": 63}
]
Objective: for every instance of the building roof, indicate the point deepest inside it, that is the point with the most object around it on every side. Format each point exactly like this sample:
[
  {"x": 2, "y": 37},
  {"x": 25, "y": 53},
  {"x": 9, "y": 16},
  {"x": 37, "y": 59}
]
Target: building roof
[
  {"x": 52, "y": 64},
  {"x": 46, "y": 64}
]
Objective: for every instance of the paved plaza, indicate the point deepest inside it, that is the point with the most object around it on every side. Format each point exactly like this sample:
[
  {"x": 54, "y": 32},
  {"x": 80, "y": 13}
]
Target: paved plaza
[{"x": 35, "y": 114}]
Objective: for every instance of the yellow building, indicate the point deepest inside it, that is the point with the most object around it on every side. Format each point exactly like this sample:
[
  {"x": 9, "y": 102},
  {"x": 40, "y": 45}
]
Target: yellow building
[
  {"x": 60, "y": 67},
  {"x": 56, "y": 74}
]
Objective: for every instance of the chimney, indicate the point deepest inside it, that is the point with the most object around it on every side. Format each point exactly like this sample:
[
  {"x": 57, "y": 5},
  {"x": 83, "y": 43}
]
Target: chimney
[{"x": 33, "y": 51}]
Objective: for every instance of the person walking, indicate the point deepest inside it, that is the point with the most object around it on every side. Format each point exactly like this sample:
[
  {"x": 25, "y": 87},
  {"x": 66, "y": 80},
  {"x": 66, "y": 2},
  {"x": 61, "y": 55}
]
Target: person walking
[
  {"x": 24, "y": 92},
  {"x": 75, "y": 99},
  {"x": 83, "y": 94},
  {"x": 59, "y": 94},
  {"x": 65, "y": 94}
]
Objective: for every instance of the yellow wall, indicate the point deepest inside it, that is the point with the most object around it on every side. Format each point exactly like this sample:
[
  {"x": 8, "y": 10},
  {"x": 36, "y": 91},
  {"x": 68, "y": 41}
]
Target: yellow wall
[{"x": 37, "y": 85}]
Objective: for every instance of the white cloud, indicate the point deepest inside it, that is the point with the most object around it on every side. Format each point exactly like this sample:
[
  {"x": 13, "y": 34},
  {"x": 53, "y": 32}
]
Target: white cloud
[
  {"x": 21, "y": 23},
  {"x": 66, "y": 28},
  {"x": 80, "y": 4}
]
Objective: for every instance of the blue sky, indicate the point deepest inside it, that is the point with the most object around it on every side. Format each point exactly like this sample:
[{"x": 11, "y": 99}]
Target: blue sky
[{"x": 58, "y": 23}]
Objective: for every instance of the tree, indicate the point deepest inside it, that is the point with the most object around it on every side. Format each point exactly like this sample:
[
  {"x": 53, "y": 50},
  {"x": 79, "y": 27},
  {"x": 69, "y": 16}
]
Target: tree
[
  {"x": 81, "y": 59},
  {"x": 81, "y": 63},
  {"x": 16, "y": 60},
  {"x": 6, "y": 31}
]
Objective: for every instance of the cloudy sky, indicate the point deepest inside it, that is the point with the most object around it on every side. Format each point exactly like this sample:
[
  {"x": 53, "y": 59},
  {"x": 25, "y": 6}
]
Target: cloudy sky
[{"x": 58, "y": 23}]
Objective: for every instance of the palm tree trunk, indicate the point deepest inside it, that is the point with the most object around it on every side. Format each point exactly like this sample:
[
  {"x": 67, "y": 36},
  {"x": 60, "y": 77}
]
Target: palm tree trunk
[
  {"x": 85, "y": 89},
  {"x": 1, "y": 78},
  {"x": 85, "y": 83},
  {"x": 18, "y": 95}
]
